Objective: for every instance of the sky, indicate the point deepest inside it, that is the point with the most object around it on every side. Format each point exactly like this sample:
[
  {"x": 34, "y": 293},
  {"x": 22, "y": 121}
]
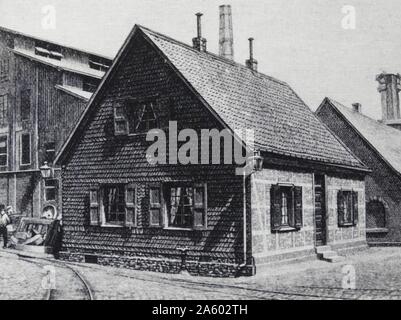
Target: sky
[{"x": 314, "y": 45}]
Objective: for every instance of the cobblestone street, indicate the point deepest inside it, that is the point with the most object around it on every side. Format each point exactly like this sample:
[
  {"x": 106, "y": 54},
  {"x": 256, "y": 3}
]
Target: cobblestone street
[{"x": 377, "y": 276}]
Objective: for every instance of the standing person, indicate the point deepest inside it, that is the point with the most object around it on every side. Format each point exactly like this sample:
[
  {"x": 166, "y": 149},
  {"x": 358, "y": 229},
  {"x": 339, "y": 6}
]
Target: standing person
[{"x": 4, "y": 222}]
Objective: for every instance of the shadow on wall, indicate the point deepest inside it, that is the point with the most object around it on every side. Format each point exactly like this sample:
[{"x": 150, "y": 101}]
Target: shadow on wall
[{"x": 26, "y": 205}]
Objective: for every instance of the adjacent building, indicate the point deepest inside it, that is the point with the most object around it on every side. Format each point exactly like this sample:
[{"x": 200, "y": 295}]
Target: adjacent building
[
  {"x": 44, "y": 87},
  {"x": 121, "y": 209},
  {"x": 378, "y": 145}
]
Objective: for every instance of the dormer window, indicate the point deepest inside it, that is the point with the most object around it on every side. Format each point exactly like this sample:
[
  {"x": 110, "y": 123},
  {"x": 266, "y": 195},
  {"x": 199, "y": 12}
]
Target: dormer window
[
  {"x": 132, "y": 117},
  {"x": 98, "y": 63},
  {"x": 48, "y": 50}
]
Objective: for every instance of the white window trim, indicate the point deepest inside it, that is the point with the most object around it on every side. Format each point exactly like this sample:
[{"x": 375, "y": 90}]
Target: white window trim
[
  {"x": 30, "y": 149},
  {"x": 165, "y": 209},
  {"x": 102, "y": 214}
]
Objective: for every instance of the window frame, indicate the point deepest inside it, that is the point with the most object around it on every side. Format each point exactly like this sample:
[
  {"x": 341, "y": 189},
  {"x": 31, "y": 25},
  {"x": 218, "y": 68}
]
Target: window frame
[
  {"x": 144, "y": 105},
  {"x": 99, "y": 63},
  {"x": 48, "y": 50},
  {"x": 21, "y": 149},
  {"x": 125, "y": 103},
  {"x": 103, "y": 217},
  {"x": 166, "y": 196},
  {"x": 4, "y": 69},
  {"x": 3, "y": 109},
  {"x": 46, "y": 188},
  {"x": 294, "y": 223},
  {"x": 50, "y": 150},
  {"x": 97, "y": 214},
  {"x": 6, "y": 154},
  {"x": 354, "y": 217}
]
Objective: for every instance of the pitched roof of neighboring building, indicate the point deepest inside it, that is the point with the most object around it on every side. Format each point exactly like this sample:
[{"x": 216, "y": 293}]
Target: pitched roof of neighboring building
[
  {"x": 242, "y": 98},
  {"x": 383, "y": 138}
]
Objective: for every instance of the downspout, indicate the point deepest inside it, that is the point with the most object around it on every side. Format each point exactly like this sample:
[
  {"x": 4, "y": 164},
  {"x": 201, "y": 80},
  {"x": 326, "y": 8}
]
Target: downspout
[{"x": 243, "y": 264}]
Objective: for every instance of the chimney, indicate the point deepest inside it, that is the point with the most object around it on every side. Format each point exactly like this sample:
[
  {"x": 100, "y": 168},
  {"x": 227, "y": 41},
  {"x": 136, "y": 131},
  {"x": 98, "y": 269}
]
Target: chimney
[
  {"x": 251, "y": 63},
  {"x": 199, "y": 43},
  {"x": 357, "y": 107},
  {"x": 389, "y": 88},
  {"x": 226, "y": 40}
]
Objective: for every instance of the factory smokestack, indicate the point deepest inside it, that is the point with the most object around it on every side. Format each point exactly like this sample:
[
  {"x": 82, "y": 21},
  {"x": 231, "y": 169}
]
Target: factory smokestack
[{"x": 226, "y": 39}]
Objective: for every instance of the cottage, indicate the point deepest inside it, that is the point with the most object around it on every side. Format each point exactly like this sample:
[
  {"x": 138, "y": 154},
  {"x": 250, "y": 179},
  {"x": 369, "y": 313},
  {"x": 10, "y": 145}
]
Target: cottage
[
  {"x": 378, "y": 145},
  {"x": 44, "y": 88},
  {"x": 122, "y": 210}
]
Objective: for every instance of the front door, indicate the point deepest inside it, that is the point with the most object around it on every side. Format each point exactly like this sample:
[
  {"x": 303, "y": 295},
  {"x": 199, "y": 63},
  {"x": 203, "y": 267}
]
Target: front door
[{"x": 320, "y": 210}]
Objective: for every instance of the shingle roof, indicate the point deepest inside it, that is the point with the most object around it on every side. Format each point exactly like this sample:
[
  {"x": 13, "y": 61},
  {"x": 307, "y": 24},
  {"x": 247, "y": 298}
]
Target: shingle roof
[
  {"x": 242, "y": 98},
  {"x": 247, "y": 99},
  {"x": 385, "y": 139}
]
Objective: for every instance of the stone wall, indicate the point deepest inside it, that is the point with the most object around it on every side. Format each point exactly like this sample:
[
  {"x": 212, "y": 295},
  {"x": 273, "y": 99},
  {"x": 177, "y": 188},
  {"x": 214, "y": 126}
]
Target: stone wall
[
  {"x": 335, "y": 234},
  {"x": 266, "y": 244},
  {"x": 271, "y": 246}
]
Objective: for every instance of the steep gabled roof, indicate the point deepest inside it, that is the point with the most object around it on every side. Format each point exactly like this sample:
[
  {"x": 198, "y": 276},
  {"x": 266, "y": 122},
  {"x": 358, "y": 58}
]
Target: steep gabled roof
[
  {"x": 241, "y": 98},
  {"x": 385, "y": 140}
]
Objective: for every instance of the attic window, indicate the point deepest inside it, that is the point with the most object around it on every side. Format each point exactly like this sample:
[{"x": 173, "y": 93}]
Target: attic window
[
  {"x": 48, "y": 50},
  {"x": 132, "y": 117},
  {"x": 98, "y": 63}
]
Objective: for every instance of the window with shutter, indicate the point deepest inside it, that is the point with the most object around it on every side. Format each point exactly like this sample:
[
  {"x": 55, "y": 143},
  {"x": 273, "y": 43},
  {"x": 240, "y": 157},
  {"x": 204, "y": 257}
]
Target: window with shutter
[
  {"x": 130, "y": 205},
  {"x": 120, "y": 119},
  {"x": 114, "y": 206},
  {"x": 94, "y": 206},
  {"x": 155, "y": 206},
  {"x": 286, "y": 208}
]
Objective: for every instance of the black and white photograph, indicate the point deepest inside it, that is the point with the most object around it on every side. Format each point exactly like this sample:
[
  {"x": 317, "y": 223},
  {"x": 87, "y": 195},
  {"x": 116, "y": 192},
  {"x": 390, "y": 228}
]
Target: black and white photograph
[{"x": 200, "y": 150}]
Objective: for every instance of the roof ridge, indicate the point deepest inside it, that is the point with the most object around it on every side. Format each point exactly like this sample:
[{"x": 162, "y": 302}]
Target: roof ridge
[
  {"x": 213, "y": 55},
  {"x": 381, "y": 124}
]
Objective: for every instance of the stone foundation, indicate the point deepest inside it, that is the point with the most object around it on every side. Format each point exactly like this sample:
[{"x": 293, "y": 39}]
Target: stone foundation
[{"x": 194, "y": 268}]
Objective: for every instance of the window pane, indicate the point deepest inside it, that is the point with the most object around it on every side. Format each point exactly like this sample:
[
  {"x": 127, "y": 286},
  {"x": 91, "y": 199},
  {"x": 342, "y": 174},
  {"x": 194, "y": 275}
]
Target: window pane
[
  {"x": 50, "y": 151},
  {"x": 121, "y": 126},
  {"x": 3, "y": 110},
  {"x": 119, "y": 111},
  {"x": 3, "y": 160},
  {"x": 25, "y": 149},
  {"x": 155, "y": 196},
  {"x": 141, "y": 117},
  {"x": 198, "y": 218},
  {"x": 50, "y": 182},
  {"x": 199, "y": 196},
  {"x": 181, "y": 207},
  {"x": 114, "y": 204},
  {"x": 51, "y": 194}
]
